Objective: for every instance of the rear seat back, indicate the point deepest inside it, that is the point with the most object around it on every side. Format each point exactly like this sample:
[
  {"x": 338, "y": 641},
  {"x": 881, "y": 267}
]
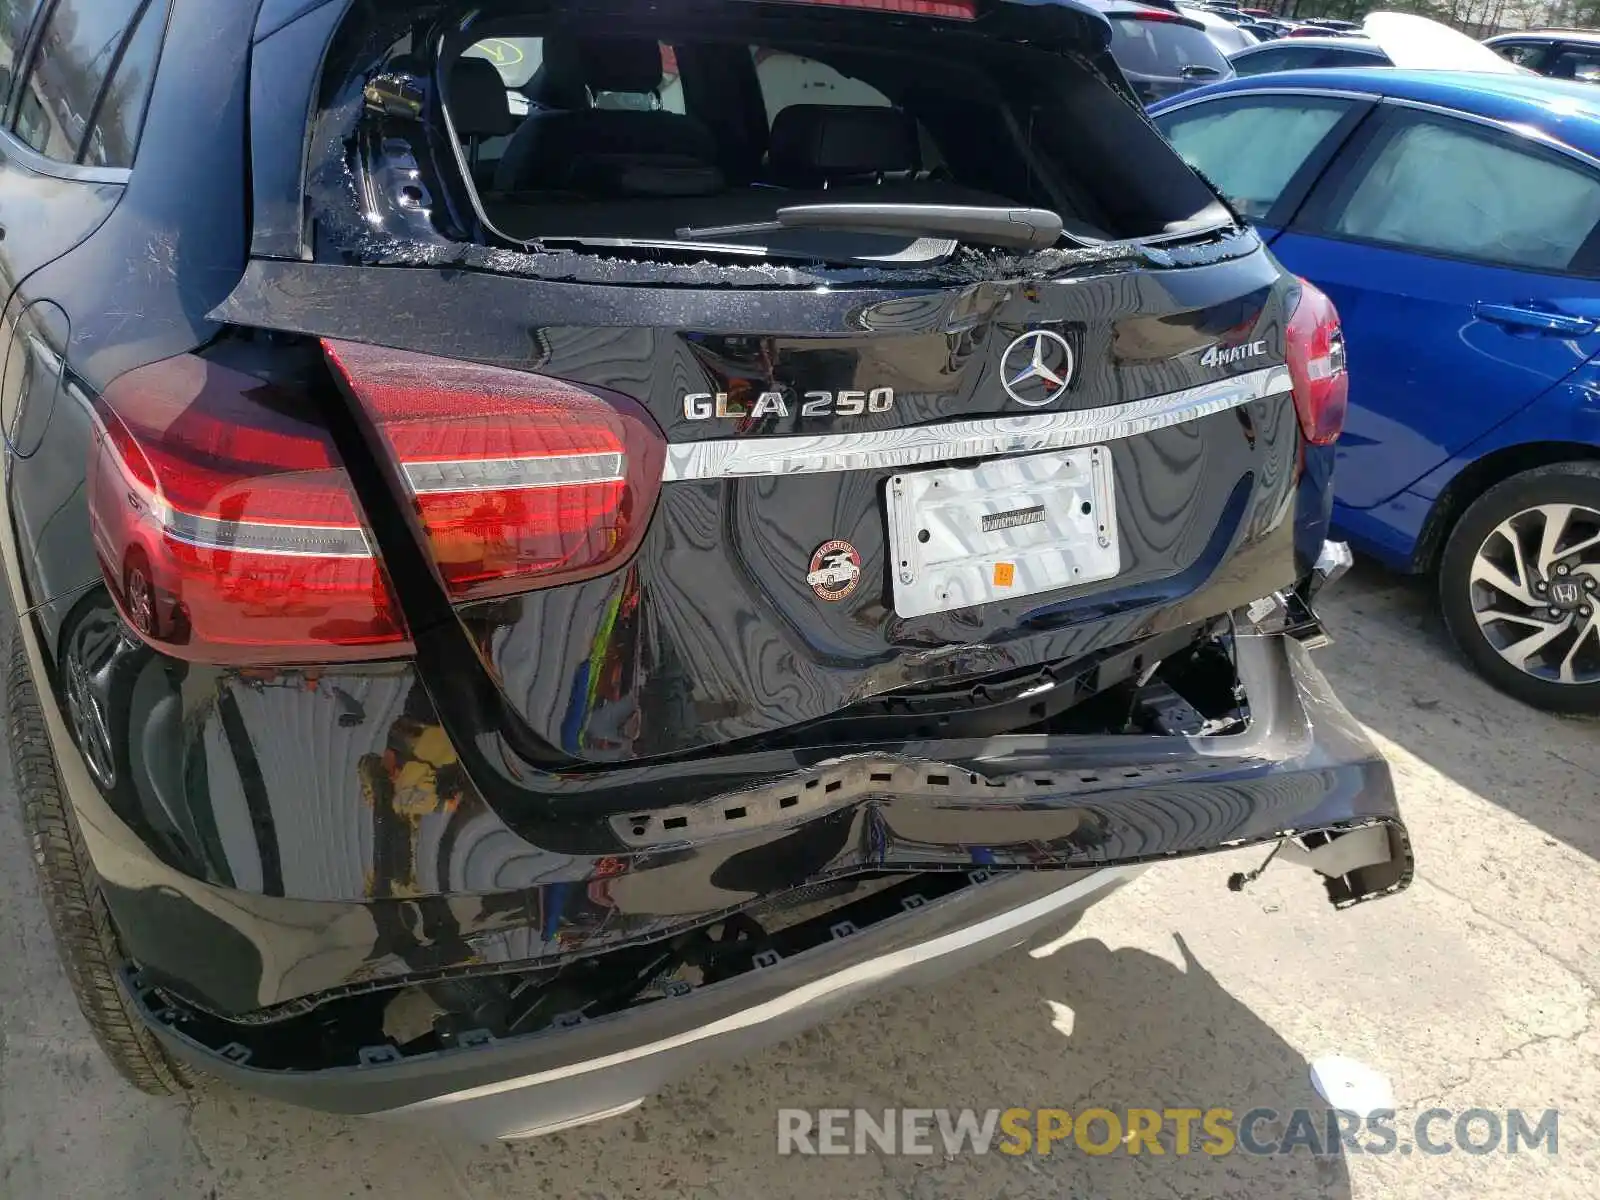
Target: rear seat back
[
  {"x": 813, "y": 145},
  {"x": 479, "y": 109},
  {"x": 608, "y": 151}
]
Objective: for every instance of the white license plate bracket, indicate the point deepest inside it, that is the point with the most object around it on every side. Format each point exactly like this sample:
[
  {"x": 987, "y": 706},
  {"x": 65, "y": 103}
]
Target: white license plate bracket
[{"x": 1004, "y": 529}]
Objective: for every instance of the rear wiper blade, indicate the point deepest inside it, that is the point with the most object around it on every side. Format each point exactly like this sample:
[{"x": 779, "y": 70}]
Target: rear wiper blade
[
  {"x": 1013, "y": 228},
  {"x": 919, "y": 252}
]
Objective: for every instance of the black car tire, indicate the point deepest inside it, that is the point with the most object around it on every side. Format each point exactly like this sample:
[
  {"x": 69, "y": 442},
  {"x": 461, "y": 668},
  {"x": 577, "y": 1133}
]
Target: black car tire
[
  {"x": 85, "y": 939},
  {"x": 1558, "y": 483}
]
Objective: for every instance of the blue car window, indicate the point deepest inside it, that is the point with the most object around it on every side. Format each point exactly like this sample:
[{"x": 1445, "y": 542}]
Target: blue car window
[
  {"x": 1446, "y": 187},
  {"x": 1251, "y": 147}
]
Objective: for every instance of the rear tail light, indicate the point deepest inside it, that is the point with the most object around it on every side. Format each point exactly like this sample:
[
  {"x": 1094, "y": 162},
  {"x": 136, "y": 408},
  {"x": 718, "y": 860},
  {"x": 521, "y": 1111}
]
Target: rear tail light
[
  {"x": 518, "y": 481},
  {"x": 1315, "y": 347},
  {"x": 226, "y": 526}
]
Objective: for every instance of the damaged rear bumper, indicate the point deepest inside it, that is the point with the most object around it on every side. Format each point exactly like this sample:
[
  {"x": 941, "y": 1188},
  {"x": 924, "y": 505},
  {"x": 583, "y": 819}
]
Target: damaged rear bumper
[
  {"x": 1302, "y": 766},
  {"x": 586, "y": 1071},
  {"x": 961, "y": 837}
]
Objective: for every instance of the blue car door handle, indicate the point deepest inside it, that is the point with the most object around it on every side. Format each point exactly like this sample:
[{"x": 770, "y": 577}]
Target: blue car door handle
[{"x": 1534, "y": 320}]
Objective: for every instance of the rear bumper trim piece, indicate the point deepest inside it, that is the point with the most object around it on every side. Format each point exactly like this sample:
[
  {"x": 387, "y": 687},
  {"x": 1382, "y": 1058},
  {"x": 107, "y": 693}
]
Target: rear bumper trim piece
[
  {"x": 850, "y": 979},
  {"x": 860, "y": 451},
  {"x": 539, "y": 1083}
]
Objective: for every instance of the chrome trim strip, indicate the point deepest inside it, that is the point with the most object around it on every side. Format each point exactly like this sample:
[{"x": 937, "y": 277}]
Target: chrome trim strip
[
  {"x": 1267, "y": 90},
  {"x": 13, "y": 147},
  {"x": 921, "y": 444},
  {"x": 1531, "y": 133},
  {"x": 844, "y": 982}
]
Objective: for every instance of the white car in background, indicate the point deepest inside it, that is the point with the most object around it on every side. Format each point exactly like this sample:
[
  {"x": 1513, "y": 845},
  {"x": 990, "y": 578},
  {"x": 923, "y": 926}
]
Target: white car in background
[
  {"x": 1384, "y": 40},
  {"x": 1224, "y": 34}
]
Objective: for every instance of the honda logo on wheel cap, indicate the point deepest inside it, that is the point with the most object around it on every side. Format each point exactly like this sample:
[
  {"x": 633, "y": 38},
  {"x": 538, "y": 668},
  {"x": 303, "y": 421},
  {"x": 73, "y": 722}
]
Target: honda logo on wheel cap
[{"x": 1036, "y": 368}]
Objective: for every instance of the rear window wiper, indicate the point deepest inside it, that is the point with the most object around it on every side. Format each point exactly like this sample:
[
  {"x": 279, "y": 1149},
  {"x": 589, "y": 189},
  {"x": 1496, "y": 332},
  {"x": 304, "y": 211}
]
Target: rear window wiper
[
  {"x": 1013, "y": 228},
  {"x": 865, "y": 248}
]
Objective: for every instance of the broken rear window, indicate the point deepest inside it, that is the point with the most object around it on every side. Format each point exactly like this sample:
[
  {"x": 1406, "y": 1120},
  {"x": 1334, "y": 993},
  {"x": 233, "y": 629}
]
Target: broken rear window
[
  {"x": 744, "y": 137},
  {"x": 700, "y": 135}
]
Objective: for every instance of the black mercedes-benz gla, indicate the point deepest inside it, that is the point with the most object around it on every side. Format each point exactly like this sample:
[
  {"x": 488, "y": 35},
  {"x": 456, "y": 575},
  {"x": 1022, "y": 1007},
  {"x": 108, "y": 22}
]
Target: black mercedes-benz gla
[{"x": 556, "y": 539}]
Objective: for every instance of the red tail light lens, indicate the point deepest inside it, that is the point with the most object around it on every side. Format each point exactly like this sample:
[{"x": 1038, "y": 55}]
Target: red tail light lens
[
  {"x": 519, "y": 481},
  {"x": 225, "y": 525},
  {"x": 1316, "y": 365}
]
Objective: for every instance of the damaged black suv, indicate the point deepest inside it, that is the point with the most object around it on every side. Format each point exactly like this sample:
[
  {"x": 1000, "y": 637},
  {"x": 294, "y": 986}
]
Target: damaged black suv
[{"x": 555, "y": 539}]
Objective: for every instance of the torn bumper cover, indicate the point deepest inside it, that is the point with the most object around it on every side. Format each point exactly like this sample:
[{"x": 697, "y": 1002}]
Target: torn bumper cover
[
  {"x": 1303, "y": 768},
  {"x": 1302, "y": 777}
]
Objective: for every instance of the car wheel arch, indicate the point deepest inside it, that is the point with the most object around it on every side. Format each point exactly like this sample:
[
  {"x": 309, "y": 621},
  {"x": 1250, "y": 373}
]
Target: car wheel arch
[{"x": 1476, "y": 478}]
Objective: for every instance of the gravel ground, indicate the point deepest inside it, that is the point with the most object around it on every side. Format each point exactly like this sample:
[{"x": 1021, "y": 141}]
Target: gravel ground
[{"x": 1475, "y": 989}]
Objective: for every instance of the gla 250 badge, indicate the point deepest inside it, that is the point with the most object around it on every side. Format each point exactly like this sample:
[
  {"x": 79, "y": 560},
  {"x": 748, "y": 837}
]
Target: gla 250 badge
[{"x": 703, "y": 406}]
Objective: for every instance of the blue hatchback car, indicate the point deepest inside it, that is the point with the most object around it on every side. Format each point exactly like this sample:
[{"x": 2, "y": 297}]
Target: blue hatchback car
[{"x": 1455, "y": 220}]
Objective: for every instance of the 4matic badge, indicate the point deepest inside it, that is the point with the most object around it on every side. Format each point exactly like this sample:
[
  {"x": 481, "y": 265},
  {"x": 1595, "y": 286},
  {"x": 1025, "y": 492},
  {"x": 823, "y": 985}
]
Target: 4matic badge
[
  {"x": 1221, "y": 356},
  {"x": 835, "y": 570}
]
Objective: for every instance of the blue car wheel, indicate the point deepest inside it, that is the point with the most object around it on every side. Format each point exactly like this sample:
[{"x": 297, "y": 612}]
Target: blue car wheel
[{"x": 1519, "y": 584}]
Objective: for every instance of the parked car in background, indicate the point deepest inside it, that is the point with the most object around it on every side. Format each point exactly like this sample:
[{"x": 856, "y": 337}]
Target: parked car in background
[
  {"x": 1294, "y": 54},
  {"x": 1558, "y": 53},
  {"x": 1161, "y": 51},
  {"x": 1284, "y": 28},
  {"x": 1387, "y": 39},
  {"x": 1262, "y": 31},
  {"x": 1419, "y": 42},
  {"x": 1455, "y": 220},
  {"x": 1228, "y": 35}
]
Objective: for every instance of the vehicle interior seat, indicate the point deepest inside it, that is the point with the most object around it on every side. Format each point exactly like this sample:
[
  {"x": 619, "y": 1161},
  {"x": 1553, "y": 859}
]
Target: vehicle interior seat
[
  {"x": 480, "y": 110},
  {"x": 817, "y": 154},
  {"x": 611, "y": 151},
  {"x": 820, "y": 145}
]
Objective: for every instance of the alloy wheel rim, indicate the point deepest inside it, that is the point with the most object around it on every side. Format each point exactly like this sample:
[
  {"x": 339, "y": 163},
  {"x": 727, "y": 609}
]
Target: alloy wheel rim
[
  {"x": 1535, "y": 592},
  {"x": 89, "y": 723}
]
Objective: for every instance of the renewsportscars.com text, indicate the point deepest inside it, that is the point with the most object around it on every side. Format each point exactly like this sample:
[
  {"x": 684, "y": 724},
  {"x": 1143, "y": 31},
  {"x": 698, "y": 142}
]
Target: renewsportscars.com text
[{"x": 1177, "y": 1131}]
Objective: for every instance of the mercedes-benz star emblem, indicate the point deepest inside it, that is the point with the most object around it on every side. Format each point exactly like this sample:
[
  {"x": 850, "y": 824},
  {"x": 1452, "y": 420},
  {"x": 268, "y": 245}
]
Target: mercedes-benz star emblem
[{"x": 1036, "y": 368}]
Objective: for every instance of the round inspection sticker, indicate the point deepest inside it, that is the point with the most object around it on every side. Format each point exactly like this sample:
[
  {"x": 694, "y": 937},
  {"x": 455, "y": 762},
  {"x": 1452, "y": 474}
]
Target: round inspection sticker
[{"x": 835, "y": 570}]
